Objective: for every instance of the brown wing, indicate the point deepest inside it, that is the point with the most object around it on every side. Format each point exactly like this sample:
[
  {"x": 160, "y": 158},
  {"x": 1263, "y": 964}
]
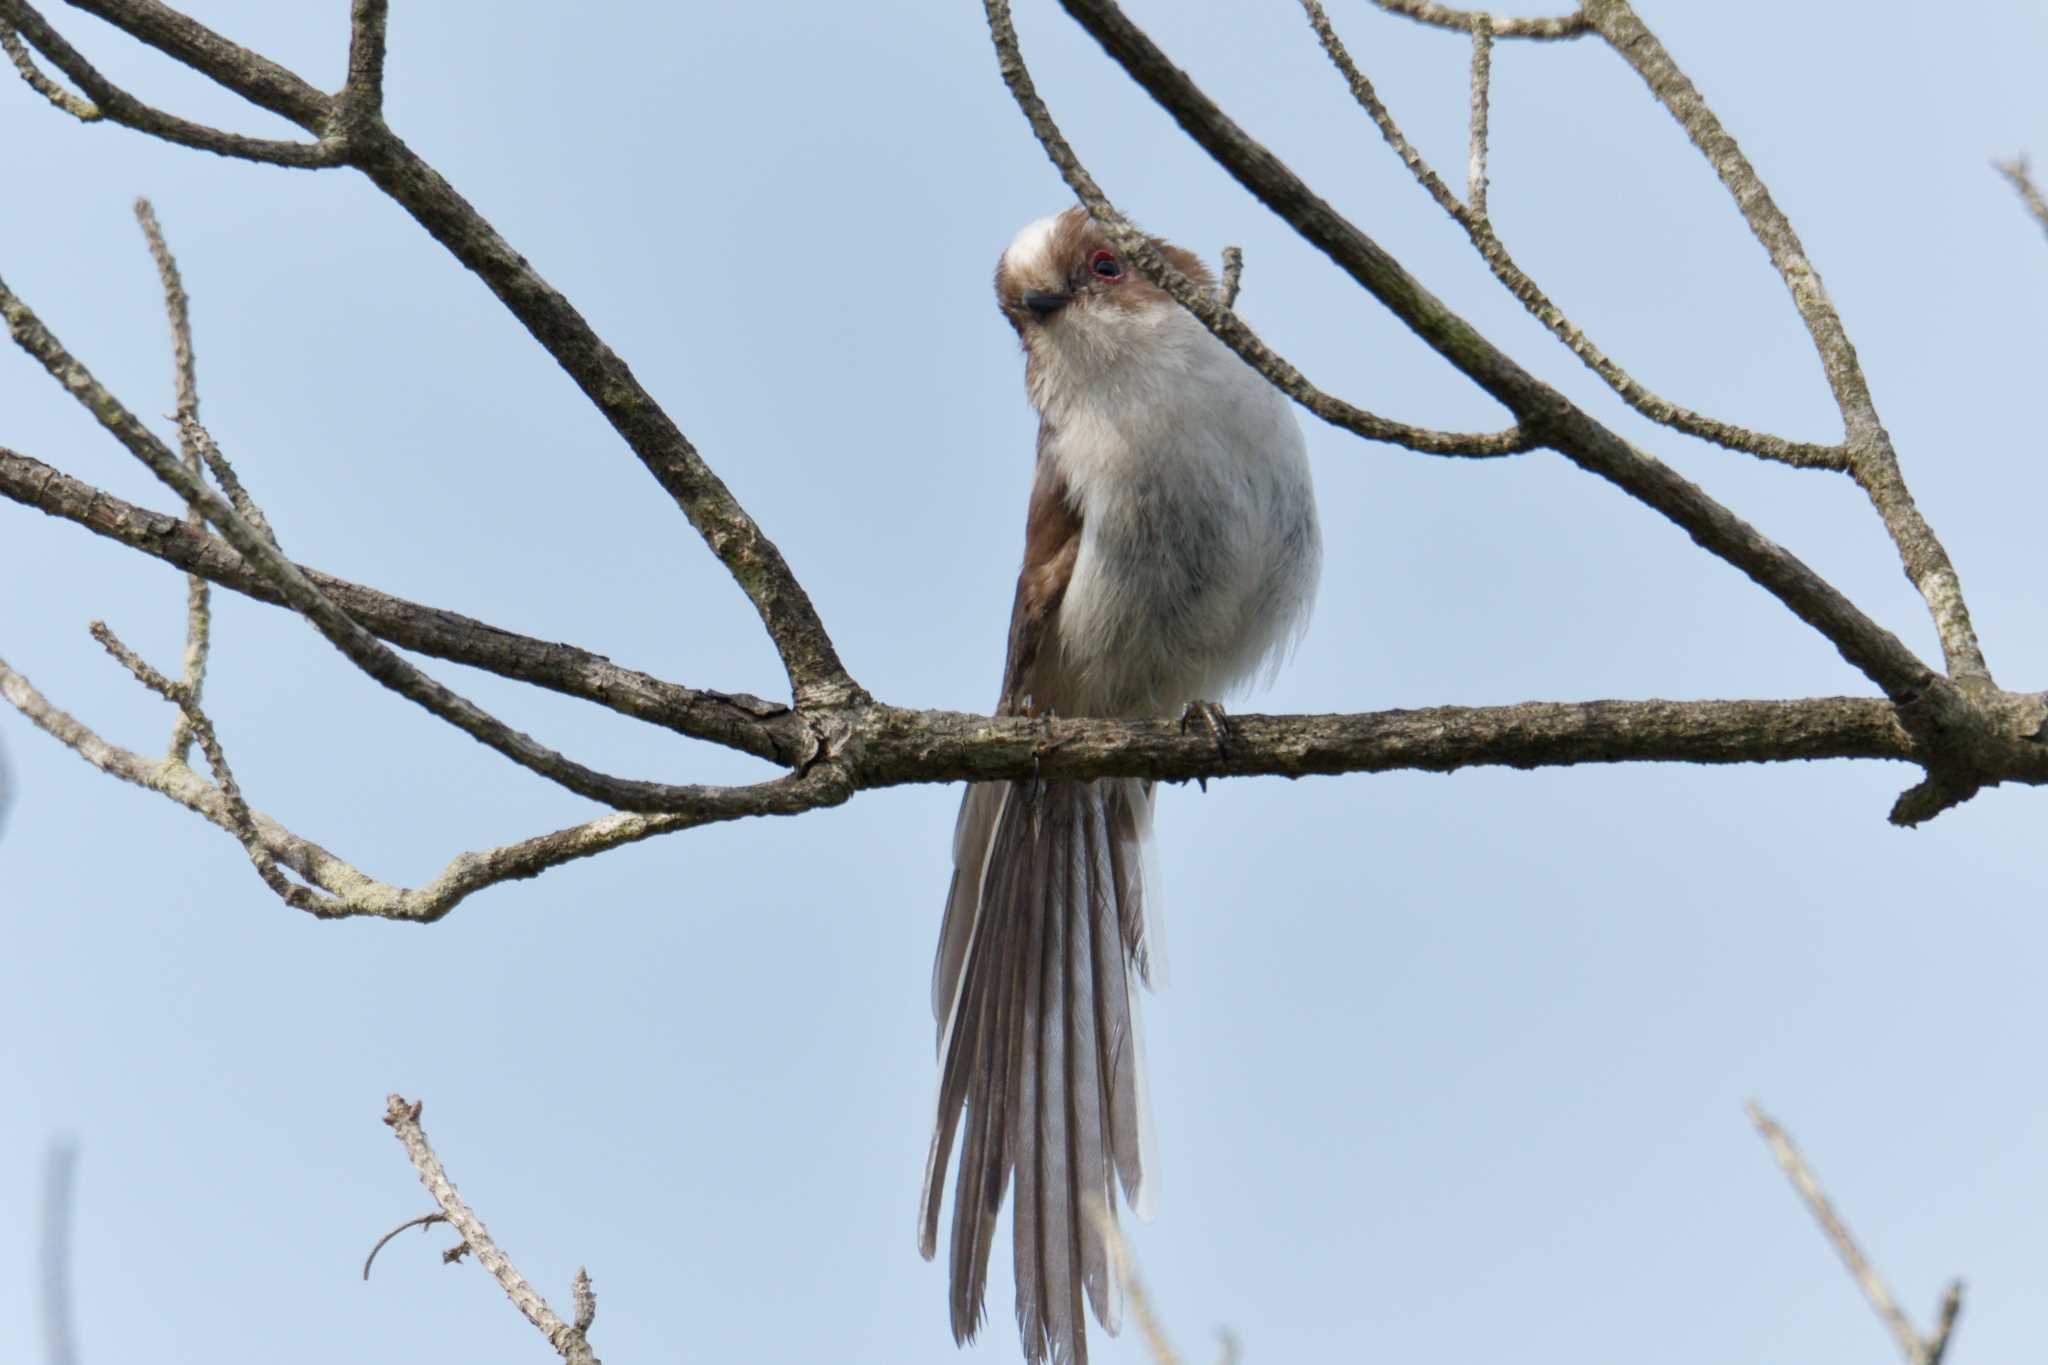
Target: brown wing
[{"x": 1052, "y": 539}]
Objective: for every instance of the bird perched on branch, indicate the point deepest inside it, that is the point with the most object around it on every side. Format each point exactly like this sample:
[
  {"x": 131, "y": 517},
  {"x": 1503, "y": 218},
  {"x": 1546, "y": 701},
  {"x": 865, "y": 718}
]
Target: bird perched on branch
[{"x": 1170, "y": 554}]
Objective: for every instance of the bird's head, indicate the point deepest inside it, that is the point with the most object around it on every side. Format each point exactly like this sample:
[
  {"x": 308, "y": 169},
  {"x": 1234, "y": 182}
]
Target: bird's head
[{"x": 1076, "y": 302}]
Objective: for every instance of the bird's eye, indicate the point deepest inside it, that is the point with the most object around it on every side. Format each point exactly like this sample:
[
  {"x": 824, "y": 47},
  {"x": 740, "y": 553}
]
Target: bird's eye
[{"x": 1105, "y": 266}]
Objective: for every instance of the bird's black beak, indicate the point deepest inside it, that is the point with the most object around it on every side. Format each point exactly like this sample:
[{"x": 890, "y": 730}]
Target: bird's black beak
[{"x": 1043, "y": 304}]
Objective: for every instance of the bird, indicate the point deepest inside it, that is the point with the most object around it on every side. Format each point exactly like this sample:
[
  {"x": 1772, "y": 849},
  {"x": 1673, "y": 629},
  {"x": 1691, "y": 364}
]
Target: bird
[{"x": 1171, "y": 554}]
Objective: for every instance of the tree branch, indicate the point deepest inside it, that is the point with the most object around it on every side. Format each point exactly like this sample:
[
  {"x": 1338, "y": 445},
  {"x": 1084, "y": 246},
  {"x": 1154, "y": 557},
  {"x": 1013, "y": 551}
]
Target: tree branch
[
  {"x": 361, "y": 647},
  {"x": 1233, "y": 276},
  {"x": 240, "y": 822},
  {"x": 354, "y": 893},
  {"x": 568, "y": 1339},
  {"x": 1873, "y": 462},
  {"x": 1916, "y": 1351},
  {"x": 1482, "y": 80},
  {"x": 77, "y": 106},
  {"x": 366, "y": 24},
  {"x": 198, "y": 612},
  {"x": 115, "y": 105},
  {"x": 895, "y": 746},
  {"x": 1479, "y": 229},
  {"x": 749, "y": 724},
  {"x": 352, "y": 134}
]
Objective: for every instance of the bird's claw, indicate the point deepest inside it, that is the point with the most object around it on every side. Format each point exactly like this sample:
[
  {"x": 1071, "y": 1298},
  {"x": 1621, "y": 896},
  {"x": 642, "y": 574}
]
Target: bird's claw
[{"x": 1215, "y": 721}]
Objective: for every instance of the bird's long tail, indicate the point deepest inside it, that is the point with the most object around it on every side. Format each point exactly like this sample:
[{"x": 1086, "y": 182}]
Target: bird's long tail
[{"x": 1034, "y": 990}]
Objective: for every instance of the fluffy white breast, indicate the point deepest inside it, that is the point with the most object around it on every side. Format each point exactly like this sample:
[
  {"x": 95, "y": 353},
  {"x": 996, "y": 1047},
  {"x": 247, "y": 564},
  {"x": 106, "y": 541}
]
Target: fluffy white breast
[{"x": 1200, "y": 548}]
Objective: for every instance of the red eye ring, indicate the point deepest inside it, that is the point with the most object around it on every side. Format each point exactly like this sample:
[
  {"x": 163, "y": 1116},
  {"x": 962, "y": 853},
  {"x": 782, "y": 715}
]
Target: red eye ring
[{"x": 1105, "y": 266}]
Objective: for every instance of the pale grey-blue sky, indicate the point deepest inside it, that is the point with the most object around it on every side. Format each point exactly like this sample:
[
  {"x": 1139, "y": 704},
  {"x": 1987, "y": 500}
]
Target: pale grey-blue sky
[{"x": 1447, "y": 1069}]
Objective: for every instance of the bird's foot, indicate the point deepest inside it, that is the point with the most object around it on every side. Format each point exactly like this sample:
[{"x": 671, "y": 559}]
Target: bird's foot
[{"x": 1215, "y": 721}]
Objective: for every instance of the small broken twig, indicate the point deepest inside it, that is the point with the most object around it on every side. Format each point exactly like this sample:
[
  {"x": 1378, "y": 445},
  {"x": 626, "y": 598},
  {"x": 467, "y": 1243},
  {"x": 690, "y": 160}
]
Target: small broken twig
[
  {"x": 1233, "y": 275},
  {"x": 567, "y": 1338}
]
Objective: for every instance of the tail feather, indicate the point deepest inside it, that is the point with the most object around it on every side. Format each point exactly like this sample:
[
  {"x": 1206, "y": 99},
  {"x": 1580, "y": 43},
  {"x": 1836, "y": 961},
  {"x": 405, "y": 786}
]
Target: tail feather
[{"x": 1039, "y": 1069}]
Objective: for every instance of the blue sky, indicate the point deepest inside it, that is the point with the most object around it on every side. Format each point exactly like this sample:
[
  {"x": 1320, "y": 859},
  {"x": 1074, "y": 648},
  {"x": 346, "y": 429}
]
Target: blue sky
[{"x": 1447, "y": 1068}]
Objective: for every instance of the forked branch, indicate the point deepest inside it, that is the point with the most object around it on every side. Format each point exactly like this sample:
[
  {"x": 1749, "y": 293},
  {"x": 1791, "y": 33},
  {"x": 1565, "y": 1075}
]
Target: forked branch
[
  {"x": 1916, "y": 1349},
  {"x": 1478, "y": 227},
  {"x": 1873, "y": 461}
]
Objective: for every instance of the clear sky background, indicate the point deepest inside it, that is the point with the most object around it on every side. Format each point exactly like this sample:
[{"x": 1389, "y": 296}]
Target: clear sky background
[{"x": 1447, "y": 1069}]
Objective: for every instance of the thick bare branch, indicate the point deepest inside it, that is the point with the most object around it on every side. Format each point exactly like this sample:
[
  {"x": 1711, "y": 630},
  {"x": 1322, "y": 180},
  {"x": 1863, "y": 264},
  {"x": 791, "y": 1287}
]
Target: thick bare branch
[
  {"x": 1916, "y": 1351},
  {"x": 2021, "y": 176},
  {"x": 896, "y": 746},
  {"x": 750, "y": 724},
  {"x": 1219, "y": 319},
  {"x": 366, "y": 34},
  {"x": 568, "y": 1339},
  {"x": 1445, "y": 16},
  {"x": 1542, "y": 410},
  {"x": 1479, "y": 228},
  {"x": 1872, "y": 460}
]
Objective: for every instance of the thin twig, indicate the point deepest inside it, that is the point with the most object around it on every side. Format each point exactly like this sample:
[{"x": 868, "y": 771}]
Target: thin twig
[
  {"x": 1873, "y": 461},
  {"x": 1482, "y": 79},
  {"x": 1444, "y": 16},
  {"x": 1798, "y": 454},
  {"x": 197, "y": 439},
  {"x": 1225, "y": 324},
  {"x": 2021, "y": 175},
  {"x": 584, "y": 1297},
  {"x": 80, "y": 108},
  {"x": 1945, "y": 1322},
  {"x": 567, "y": 1338},
  {"x": 1233, "y": 275},
  {"x": 1796, "y": 1170},
  {"x": 240, "y": 822},
  {"x": 1125, "y": 1268},
  {"x": 185, "y": 381},
  {"x": 424, "y": 1221},
  {"x": 354, "y": 893},
  {"x": 60, "y": 1180}
]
